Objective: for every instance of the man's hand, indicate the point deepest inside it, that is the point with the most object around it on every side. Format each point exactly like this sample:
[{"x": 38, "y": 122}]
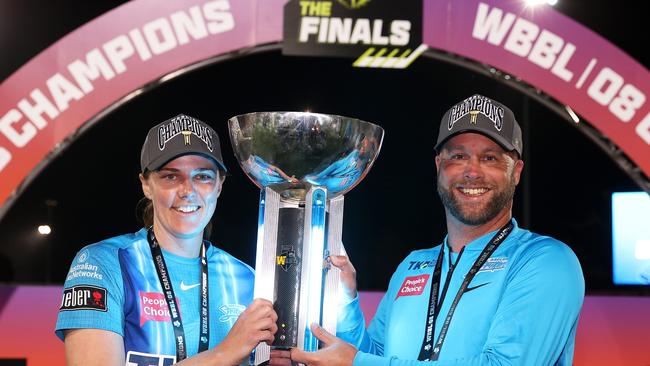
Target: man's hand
[
  {"x": 335, "y": 353},
  {"x": 280, "y": 357},
  {"x": 256, "y": 324},
  {"x": 348, "y": 274}
]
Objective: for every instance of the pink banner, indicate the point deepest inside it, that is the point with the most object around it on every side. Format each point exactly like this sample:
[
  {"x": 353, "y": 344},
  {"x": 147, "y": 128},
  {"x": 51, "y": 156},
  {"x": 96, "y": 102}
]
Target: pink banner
[
  {"x": 556, "y": 55},
  {"x": 102, "y": 62}
]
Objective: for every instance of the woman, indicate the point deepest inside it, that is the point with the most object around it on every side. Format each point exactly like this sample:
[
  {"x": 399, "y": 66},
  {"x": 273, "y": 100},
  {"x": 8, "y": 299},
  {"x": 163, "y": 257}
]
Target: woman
[{"x": 164, "y": 294}]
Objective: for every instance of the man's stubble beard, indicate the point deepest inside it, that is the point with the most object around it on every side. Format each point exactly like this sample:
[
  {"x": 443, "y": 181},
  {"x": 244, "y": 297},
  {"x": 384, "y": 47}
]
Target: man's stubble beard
[{"x": 495, "y": 205}]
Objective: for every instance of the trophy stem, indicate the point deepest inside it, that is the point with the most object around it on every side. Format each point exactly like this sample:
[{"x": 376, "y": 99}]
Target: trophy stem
[
  {"x": 265, "y": 259},
  {"x": 294, "y": 240},
  {"x": 334, "y": 246},
  {"x": 314, "y": 254}
]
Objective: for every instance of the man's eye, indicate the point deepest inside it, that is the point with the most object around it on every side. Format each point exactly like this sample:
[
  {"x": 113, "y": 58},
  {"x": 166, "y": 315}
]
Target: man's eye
[
  {"x": 204, "y": 177},
  {"x": 490, "y": 158},
  {"x": 457, "y": 156},
  {"x": 169, "y": 177}
]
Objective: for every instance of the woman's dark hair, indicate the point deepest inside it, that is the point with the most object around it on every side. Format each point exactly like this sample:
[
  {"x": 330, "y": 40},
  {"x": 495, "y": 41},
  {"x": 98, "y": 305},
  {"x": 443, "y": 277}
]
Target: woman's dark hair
[{"x": 144, "y": 213}]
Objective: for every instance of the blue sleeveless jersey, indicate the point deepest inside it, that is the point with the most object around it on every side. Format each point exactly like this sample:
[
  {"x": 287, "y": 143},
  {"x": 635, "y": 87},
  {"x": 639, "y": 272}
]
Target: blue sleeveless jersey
[
  {"x": 113, "y": 285},
  {"x": 521, "y": 308}
]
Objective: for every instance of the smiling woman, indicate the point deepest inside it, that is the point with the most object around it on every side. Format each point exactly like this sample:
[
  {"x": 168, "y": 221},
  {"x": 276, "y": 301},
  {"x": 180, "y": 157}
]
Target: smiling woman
[{"x": 151, "y": 291}]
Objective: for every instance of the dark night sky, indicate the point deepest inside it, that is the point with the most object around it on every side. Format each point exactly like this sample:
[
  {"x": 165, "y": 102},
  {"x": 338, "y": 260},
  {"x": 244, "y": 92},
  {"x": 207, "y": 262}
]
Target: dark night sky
[{"x": 568, "y": 179}]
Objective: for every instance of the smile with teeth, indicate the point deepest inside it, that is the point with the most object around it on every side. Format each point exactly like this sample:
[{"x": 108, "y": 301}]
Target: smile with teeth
[
  {"x": 186, "y": 209},
  {"x": 473, "y": 191}
]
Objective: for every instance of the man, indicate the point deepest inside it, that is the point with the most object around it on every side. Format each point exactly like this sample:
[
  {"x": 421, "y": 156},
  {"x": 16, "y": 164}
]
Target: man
[{"x": 501, "y": 294}]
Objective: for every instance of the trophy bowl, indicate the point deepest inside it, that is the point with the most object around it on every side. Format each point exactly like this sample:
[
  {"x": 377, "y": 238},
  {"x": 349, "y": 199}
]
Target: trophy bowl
[{"x": 292, "y": 151}]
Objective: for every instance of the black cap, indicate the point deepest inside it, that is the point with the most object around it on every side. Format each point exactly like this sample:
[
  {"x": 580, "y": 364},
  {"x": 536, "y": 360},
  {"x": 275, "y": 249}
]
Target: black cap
[
  {"x": 178, "y": 136},
  {"x": 485, "y": 116}
]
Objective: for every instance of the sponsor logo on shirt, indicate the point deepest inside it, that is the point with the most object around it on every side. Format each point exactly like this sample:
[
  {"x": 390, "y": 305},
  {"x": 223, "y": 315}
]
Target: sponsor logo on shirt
[
  {"x": 154, "y": 307},
  {"x": 83, "y": 256},
  {"x": 185, "y": 287},
  {"x": 84, "y": 270},
  {"x": 84, "y": 298},
  {"x": 413, "y": 286},
  {"x": 230, "y": 312},
  {"x": 148, "y": 359},
  {"x": 494, "y": 264},
  {"x": 416, "y": 265}
]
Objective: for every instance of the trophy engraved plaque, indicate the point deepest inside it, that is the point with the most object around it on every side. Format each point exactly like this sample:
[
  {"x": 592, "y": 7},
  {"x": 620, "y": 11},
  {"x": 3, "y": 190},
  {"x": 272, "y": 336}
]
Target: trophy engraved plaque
[{"x": 303, "y": 164}]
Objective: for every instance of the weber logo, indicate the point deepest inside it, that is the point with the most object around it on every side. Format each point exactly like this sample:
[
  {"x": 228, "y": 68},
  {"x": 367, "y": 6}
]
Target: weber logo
[{"x": 84, "y": 298}]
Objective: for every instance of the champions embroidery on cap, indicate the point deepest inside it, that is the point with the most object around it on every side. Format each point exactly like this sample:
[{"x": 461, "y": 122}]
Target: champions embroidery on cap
[
  {"x": 186, "y": 126},
  {"x": 474, "y": 106}
]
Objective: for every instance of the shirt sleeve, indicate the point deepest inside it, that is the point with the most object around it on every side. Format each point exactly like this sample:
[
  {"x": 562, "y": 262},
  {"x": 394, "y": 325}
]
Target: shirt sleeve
[
  {"x": 536, "y": 319},
  {"x": 93, "y": 293},
  {"x": 372, "y": 340}
]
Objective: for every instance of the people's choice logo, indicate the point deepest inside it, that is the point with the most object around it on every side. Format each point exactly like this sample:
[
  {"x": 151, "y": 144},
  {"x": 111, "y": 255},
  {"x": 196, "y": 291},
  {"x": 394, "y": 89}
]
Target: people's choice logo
[
  {"x": 154, "y": 307},
  {"x": 413, "y": 286}
]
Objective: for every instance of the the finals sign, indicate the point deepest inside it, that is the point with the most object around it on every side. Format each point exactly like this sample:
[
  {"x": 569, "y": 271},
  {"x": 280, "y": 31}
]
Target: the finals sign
[{"x": 378, "y": 33}]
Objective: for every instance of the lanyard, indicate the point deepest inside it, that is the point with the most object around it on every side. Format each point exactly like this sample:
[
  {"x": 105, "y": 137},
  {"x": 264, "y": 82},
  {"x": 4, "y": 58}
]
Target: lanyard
[
  {"x": 168, "y": 291},
  {"x": 428, "y": 352}
]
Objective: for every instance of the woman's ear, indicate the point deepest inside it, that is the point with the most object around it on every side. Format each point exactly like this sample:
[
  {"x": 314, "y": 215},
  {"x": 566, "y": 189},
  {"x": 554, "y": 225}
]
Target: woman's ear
[{"x": 146, "y": 189}]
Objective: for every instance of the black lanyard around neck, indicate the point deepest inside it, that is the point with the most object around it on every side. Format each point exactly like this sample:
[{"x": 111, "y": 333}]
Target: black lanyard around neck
[
  {"x": 429, "y": 352},
  {"x": 168, "y": 291}
]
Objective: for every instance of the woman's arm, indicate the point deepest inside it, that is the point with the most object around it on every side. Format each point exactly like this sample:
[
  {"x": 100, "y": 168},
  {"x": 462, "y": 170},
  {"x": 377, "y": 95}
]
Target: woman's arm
[{"x": 93, "y": 347}]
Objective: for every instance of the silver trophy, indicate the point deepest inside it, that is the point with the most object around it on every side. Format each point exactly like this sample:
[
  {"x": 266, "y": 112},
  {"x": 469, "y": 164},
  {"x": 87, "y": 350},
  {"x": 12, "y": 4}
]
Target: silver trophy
[{"x": 303, "y": 163}]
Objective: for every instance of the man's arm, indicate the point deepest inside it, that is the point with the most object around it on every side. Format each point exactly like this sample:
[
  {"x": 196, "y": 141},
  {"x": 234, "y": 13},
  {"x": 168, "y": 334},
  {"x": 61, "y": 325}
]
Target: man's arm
[{"x": 351, "y": 325}]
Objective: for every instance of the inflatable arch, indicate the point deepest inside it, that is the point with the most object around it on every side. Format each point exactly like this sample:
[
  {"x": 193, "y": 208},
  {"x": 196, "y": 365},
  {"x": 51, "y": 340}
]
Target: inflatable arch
[{"x": 71, "y": 85}]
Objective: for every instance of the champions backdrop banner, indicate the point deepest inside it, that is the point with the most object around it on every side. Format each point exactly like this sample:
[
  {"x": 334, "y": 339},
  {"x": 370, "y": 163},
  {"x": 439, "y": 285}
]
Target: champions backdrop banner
[
  {"x": 110, "y": 59},
  {"x": 555, "y": 54}
]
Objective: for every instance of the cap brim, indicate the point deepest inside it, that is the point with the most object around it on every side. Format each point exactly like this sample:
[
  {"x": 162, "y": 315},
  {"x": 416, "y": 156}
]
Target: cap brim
[
  {"x": 155, "y": 165},
  {"x": 492, "y": 136}
]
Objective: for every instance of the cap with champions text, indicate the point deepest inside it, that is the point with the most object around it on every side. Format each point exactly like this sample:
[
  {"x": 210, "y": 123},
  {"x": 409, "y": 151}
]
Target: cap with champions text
[
  {"x": 485, "y": 116},
  {"x": 178, "y": 136}
]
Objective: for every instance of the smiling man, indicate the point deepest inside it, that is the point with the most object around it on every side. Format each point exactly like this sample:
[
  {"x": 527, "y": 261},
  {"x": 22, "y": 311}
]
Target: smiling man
[{"x": 492, "y": 293}]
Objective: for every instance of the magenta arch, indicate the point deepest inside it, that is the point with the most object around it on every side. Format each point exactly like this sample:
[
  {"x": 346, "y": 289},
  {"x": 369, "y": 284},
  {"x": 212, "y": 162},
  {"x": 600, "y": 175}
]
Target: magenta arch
[{"x": 109, "y": 60}]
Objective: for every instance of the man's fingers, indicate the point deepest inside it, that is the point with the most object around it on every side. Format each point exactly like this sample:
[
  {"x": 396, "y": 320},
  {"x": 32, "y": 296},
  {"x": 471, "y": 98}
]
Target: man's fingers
[
  {"x": 274, "y": 316},
  {"x": 282, "y": 361},
  {"x": 280, "y": 357},
  {"x": 343, "y": 263},
  {"x": 301, "y": 356},
  {"x": 323, "y": 335}
]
